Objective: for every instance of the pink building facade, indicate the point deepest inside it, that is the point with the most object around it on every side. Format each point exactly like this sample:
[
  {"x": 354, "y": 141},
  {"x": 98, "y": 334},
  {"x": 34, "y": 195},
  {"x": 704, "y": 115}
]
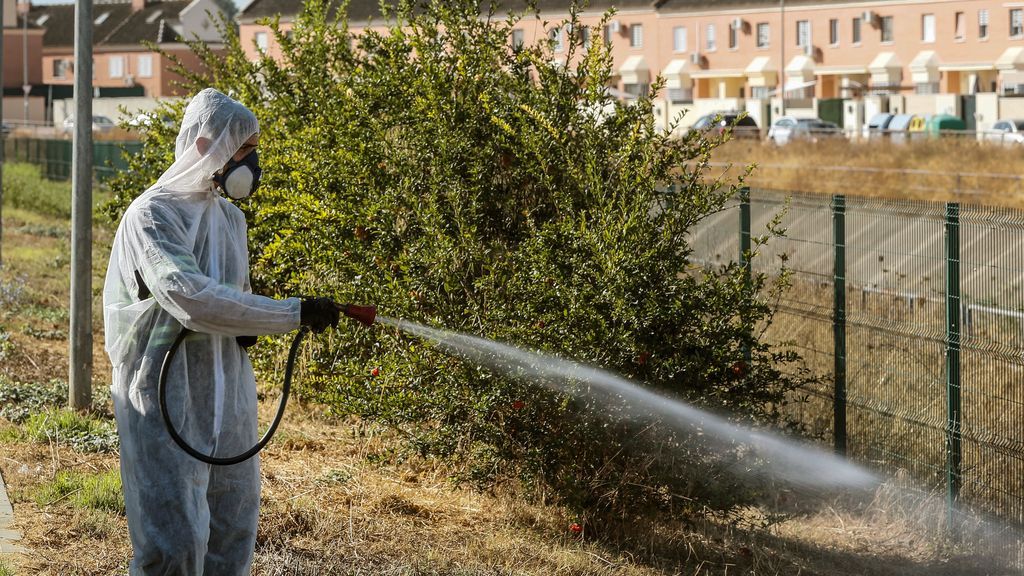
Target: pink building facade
[{"x": 963, "y": 57}]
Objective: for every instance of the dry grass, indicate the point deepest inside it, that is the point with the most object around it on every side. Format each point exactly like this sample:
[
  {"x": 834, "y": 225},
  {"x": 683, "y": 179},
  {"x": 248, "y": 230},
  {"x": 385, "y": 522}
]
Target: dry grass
[
  {"x": 935, "y": 170},
  {"x": 330, "y": 506}
]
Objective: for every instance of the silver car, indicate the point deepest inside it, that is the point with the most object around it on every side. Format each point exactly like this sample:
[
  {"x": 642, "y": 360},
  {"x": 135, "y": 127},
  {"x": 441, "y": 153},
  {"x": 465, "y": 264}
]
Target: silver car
[
  {"x": 1006, "y": 132},
  {"x": 100, "y": 124}
]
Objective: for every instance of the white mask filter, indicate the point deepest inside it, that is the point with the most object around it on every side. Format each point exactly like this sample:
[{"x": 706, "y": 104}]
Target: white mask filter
[{"x": 238, "y": 184}]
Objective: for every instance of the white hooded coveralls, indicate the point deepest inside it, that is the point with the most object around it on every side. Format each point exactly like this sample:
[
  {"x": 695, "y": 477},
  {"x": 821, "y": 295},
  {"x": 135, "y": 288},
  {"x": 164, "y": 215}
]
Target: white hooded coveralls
[{"x": 180, "y": 258}]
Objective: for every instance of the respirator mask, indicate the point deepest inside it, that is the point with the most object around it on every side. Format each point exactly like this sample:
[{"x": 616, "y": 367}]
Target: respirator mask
[{"x": 240, "y": 179}]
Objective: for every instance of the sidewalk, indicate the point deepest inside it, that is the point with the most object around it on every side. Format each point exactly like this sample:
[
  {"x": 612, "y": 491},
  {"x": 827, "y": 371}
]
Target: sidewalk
[{"x": 8, "y": 535}]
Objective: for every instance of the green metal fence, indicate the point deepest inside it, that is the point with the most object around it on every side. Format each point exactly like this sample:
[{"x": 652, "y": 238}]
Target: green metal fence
[
  {"x": 53, "y": 156},
  {"x": 913, "y": 315}
]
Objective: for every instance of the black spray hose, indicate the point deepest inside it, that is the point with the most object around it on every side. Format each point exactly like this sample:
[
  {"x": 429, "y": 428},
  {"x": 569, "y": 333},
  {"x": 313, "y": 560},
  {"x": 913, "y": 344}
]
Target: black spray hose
[{"x": 286, "y": 387}]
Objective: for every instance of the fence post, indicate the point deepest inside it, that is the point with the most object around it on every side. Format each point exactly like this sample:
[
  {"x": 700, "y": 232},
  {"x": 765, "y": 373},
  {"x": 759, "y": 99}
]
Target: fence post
[
  {"x": 839, "y": 322},
  {"x": 952, "y": 359},
  {"x": 745, "y": 249}
]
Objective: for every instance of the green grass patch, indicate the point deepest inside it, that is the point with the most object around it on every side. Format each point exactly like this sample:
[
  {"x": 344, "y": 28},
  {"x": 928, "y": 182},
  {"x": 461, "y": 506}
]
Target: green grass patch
[
  {"x": 86, "y": 491},
  {"x": 85, "y": 433},
  {"x": 19, "y": 400},
  {"x": 5, "y": 570}
]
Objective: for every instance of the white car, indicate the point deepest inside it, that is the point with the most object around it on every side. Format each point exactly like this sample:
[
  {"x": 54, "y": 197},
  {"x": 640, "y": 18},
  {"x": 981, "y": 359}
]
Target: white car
[
  {"x": 787, "y": 128},
  {"x": 99, "y": 124},
  {"x": 1006, "y": 132}
]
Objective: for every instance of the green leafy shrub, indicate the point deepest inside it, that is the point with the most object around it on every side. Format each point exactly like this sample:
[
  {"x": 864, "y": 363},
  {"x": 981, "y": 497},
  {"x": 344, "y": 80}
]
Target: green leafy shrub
[
  {"x": 25, "y": 188},
  {"x": 452, "y": 179},
  {"x": 19, "y": 400}
]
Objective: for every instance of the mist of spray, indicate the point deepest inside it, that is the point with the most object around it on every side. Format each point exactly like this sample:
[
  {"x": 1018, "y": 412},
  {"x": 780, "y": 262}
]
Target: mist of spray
[{"x": 795, "y": 463}]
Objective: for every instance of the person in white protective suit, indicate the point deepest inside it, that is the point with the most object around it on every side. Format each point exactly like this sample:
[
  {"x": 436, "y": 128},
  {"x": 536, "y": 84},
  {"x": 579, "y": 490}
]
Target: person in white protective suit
[{"x": 180, "y": 259}]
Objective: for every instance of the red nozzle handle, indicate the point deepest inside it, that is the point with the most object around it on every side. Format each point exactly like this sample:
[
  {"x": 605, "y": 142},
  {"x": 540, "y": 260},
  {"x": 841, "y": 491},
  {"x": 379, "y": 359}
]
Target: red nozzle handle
[{"x": 365, "y": 315}]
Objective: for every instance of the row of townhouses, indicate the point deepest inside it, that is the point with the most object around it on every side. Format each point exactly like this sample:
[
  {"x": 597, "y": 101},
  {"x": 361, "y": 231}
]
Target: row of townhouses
[{"x": 841, "y": 60}]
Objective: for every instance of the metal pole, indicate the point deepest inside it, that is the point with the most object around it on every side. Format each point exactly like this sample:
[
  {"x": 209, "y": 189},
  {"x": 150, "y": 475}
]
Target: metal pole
[
  {"x": 782, "y": 56},
  {"x": 745, "y": 249},
  {"x": 953, "y": 455},
  {"x": 80, "y": 362},
  {"x": 839, "y": 321},
  {"x": 3, "y": 143},
  {"x": 24, "y": 55}
]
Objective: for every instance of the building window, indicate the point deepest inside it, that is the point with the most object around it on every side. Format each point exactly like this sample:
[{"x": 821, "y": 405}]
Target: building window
[
  {"x": 144, "y": 64},
  {"x": 833, "y": 31},
  {"x": 855, "y": 36},
  {"x": 518, "y": 38},
  {"x": 733, "y": 38},
  {"x": 261, "y": 41},
  {"x": 961, "y": 26},
  {"x": 555, "y": 35},
  {"x": 116, "y": 66},
  {"x": 1016, "y": 22},
  {"x": 760, "y": 92},
  {"x": 636, "y": 90},
  {"x": 928, "y": 28},
  {"x": 636, "y": 36},
  {"x": 983, "y": 24},
  {"x": 887, "y": 29},
  {"x": 60, "y": 68},
  {"x": 680, "y": 95},
  {"x": 926, "y": 88},
  {"x": 710, "y": 37},
  {"x": 679, "y": 39},
  {"x": 803, "y": 33},
  {"x": 762, "y": 35},
  {"x": 585, "y": 36}
]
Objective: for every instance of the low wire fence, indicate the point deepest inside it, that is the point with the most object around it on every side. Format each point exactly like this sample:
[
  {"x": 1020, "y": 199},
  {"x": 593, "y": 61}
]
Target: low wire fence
[
  {"x": 53, "y": 156},
  {"x": 912, "y": 314}
]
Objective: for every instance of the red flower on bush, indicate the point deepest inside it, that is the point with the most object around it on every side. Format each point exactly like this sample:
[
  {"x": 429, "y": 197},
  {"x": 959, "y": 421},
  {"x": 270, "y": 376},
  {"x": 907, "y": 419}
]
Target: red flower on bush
[
  {"x": 518, "y": 405},
  {"x": 375, "y": 371},
  {"x": 575, "y": 528},
  {"x": 642, "y": 358},
  {"x": 739, "y": 368}
]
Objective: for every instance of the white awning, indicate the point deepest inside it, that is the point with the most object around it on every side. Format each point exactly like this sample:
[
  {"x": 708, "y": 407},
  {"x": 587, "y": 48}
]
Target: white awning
[
  {"x": 886, "y": 69},
  {"x": 677, "y": 74},
  {"x": 760, "y": 72},
  {"x": 1011, "y": 59},
  {"x": 720, "y": 73},
  {"x": 966, "y": 67},
  {"x": 635, "y": 71},
  {"x": 801, "y": 67},
  {"x": 924, "y": 68},
  {"x": 840, "y": 70},
  {"x": 797, "y": 84}
]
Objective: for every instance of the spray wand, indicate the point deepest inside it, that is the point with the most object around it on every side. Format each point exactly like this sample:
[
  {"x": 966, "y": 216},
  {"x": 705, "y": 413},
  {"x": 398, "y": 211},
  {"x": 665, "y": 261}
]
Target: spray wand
[{"x": 365, "y": 315}]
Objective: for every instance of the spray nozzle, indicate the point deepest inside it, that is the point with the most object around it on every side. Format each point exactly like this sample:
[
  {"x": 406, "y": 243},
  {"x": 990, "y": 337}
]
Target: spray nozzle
[{"x": 365, "y": 315}]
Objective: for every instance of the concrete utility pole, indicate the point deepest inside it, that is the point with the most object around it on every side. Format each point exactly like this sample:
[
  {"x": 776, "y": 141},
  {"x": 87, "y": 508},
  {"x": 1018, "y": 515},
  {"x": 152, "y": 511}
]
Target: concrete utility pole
[
  {"x": 24, "y": 55},
  {"x": 782, "y": 57},
  {"x": 2, "y": 142},
  {"x": 80, "y": 363}
]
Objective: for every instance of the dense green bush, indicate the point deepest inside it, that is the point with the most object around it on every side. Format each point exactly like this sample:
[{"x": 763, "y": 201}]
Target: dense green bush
[
  {"x": 454, "y": 180},
  {"x": 25, "y": 188}
]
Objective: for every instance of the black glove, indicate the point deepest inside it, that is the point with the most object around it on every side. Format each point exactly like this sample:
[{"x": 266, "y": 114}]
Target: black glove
[
  {"x": 246, "y": 341},
  {"x": 319, "y": 314}
]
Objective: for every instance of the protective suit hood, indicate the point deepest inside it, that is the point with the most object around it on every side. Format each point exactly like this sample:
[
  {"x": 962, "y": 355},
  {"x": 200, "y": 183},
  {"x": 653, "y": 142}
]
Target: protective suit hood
[{"x": 213, "y": 129}]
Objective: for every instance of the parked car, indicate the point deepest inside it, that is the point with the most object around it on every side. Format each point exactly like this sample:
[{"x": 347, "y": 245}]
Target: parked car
[
  {"x": 743, "y": 126},
  {"x": 100, "y": 124},
  {"x": 877, "y": 125},
  {"x": 1007, "y": 131},
  {"x": 787, "y": 128},
  {"x": 148, "y": 118}
]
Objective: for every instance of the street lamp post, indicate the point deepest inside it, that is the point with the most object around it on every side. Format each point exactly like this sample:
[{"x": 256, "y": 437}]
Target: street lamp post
[{"x": 24, "y": 54}]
